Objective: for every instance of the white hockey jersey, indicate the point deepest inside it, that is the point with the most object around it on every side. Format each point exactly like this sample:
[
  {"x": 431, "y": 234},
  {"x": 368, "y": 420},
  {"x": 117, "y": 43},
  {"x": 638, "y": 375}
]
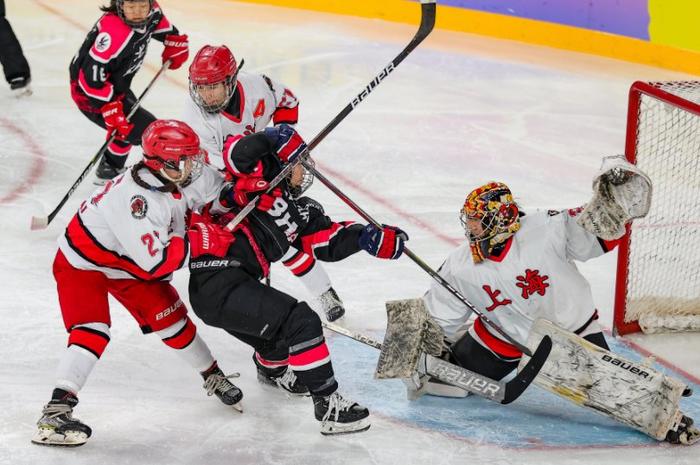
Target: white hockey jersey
[
  {"x": 533, "y": 277},
  {"x": 261, "y": 100},
  {"x": 129, "y": 232}
]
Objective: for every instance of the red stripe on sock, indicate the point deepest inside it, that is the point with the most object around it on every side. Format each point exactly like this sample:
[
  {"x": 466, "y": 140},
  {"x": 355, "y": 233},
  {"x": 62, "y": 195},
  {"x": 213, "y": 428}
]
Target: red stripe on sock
[
  {"x": 183, "y": 338},
  {"x": 309, "y": 356},
  {"x": 94, "y": 341}
]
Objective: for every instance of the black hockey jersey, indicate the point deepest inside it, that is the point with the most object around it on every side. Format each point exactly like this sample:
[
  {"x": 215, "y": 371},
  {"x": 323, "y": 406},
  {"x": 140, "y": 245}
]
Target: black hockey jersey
[
  {"x": 299, "y": 223},
  {"x": 110, "y": 56}
]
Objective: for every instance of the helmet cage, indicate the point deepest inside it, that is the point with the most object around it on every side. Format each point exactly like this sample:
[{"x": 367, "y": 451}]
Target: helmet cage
[
  {"x": 494, "y": 207},
  {"x": 189, "y": 166},
  {"x": 307, "y": 179},
  {"x": 229, "y": 84},
  {"x": 134, "y": 24}
]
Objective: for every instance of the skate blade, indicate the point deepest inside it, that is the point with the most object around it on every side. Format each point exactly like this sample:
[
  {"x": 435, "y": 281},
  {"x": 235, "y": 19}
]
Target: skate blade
[
  {"x": 48, "y": 437},
  {"x": 331, "y": 428}
]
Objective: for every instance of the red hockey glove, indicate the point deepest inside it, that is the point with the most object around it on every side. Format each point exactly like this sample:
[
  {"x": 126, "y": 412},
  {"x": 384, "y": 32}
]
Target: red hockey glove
[
  {"x": 115, "y": 120},
  {"x": 208, "y": 239},
  {"x": 244, "y": 188},
  {"x": 176, "y": 49},
  {"x": 267, "y": 201},
  {"x": 387, "y": 242},
  {"x": 287, "y": 141}
]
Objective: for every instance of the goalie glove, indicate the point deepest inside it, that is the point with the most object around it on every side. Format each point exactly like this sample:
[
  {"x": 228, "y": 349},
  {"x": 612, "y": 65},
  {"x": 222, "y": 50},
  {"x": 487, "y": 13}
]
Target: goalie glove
[{"x": 621, "y": 192}]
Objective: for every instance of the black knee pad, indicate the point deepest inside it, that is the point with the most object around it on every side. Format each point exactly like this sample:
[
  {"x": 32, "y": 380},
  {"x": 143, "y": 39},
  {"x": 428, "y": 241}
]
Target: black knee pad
[{"x": 302, "y": 324}]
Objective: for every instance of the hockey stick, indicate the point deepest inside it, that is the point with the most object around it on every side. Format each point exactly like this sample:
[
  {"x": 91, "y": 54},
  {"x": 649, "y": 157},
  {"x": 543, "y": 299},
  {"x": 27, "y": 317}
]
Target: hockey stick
[
  {"x": 497, "y": 391},
  {"x": 416, "y": 259},
  {"x": 427, "y": 22},
  {"x": 44, "y": 221}
]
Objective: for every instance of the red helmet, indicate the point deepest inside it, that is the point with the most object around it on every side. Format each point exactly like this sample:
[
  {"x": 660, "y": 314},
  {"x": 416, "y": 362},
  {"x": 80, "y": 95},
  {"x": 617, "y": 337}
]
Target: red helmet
[
  {"x": 213, "y": 65},
  {"x": 171, "y": 144}
]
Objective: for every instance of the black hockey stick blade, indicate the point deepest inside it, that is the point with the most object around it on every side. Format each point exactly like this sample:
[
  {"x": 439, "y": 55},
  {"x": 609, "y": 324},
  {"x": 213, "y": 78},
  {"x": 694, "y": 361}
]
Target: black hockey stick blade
[{"x": 516, "y": 386}]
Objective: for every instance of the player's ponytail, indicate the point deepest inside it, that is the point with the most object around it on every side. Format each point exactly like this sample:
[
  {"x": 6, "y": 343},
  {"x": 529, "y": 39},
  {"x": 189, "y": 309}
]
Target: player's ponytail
[{"x": 111, "y": 8}]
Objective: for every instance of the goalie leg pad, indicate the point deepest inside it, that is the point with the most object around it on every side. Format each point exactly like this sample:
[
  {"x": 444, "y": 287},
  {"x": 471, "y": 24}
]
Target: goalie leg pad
[{"x": 590, "y": 376}]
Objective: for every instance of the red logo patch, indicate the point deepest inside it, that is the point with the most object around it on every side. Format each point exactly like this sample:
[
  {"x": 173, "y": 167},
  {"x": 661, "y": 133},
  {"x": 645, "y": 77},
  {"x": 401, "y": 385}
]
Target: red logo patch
[{"x": 138, "y": 206}]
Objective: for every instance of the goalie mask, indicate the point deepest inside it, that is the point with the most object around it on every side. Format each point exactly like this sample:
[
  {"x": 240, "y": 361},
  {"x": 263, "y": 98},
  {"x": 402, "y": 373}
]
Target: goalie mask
[{"x": 489, "y": 216}]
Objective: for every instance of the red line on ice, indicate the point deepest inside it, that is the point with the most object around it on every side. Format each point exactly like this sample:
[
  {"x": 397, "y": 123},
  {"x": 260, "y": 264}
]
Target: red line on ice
[{"x": 37, "y": 166}]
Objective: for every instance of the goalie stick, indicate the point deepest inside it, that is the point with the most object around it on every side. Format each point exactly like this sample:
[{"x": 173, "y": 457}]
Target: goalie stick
[
  {"x": 43, "y": 221},
  {"x": 427, "y": 22},
  {"x": 498, "y": 391}
]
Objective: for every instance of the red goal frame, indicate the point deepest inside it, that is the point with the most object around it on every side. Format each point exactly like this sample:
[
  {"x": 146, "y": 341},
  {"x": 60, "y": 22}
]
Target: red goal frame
[{"x": 651, "y": 89}]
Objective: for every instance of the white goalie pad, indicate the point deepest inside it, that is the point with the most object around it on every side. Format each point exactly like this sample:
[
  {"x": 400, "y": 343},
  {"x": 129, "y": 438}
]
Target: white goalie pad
[
  {"x": 410, "y": 331},
  {"x": 621, "y": 192},
  {"x": 589, "y": 376}
]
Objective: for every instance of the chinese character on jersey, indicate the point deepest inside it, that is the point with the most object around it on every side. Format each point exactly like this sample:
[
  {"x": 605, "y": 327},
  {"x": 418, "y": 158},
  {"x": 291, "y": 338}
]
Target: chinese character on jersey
[
  {"x": 494, "y": 294},
  {"x": 532, "y": 283}
]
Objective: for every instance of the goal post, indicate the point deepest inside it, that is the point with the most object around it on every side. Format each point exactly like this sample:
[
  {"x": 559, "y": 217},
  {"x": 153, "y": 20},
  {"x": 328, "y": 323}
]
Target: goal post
[{"x": 658, "y": 268}]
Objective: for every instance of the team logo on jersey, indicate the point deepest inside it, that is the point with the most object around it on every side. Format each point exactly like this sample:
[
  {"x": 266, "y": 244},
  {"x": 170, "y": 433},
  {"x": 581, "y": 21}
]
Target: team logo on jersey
[
  {"x": 103, "y": 42},
  {"x": 139, "y": 207}
]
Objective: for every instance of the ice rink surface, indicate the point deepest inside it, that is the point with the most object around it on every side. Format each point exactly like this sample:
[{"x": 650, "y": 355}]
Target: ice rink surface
[{"x": 461, "y": 110}]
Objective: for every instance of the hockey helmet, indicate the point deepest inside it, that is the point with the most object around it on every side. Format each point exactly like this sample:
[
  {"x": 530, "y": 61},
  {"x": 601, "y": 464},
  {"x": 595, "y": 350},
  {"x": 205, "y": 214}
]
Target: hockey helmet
[
  {"x": 172, "y": 145},
  {"x": 212, "y": 66},
  {"x": 135, "y": 24},
  {"x": 489, "y": 217}
]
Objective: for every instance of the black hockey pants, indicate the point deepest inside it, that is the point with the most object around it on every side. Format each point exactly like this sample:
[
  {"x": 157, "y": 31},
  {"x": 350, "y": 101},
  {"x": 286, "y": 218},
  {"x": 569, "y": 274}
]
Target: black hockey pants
[
  {"x": 277, "y": 326},
  {"x": 469, "y": 354},
  {"x": 11, "y": 57}
]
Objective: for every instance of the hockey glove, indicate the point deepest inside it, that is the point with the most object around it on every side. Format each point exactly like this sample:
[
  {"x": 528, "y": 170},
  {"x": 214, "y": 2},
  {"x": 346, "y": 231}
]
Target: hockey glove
[
  {"x": 208, "y": 239},
  {"x": 245, "y": 188},
  {"x": 176, "y": 50},
  {"x": 287, "y": 142},
  {"x": 115, "y": 120},
  {"x": 387, "y": 242}
]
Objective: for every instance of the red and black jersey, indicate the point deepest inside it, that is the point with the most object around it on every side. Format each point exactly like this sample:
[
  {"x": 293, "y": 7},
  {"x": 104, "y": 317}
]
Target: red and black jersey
[{"x": 110, "y": 56}]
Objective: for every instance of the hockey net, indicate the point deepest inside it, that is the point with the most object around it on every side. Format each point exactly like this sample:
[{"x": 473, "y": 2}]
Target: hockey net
[{"x": 658, "y": 271}]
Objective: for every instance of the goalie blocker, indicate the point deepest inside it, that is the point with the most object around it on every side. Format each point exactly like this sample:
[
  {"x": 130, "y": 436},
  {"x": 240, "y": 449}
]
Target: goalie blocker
[
  {"x": 633, "y": 394},
  {"x": 413, "y": 336}
]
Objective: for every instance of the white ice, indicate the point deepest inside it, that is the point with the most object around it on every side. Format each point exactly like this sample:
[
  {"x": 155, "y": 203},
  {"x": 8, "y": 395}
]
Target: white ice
[{"x": 459, "y": 111}]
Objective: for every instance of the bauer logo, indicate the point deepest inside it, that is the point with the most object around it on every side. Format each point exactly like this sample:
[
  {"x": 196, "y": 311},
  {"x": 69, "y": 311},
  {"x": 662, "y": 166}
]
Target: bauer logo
[
  {"x": 370, "y": 87},
  {"x": 139, "y": 207},
  {"x": 103, "y": 42},
  {"x": 626, "y": 366},
  {"x": 169, "y": 310}
]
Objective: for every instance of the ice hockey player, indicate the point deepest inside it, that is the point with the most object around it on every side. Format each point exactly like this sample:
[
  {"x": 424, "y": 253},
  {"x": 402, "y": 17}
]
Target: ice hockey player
[
  {"x": 126, "y": 241},
  {"x": 102, "y": 70},
  {"x": 226, "y": 102},
  {"x": 14, "y": 64},
  {"x": 519, "y": 268},
  {"x": 225, "y": 288}
]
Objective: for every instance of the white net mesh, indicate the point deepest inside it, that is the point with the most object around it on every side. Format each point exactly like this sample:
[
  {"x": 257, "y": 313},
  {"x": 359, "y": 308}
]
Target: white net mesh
[{"x": 663, "y": 278}]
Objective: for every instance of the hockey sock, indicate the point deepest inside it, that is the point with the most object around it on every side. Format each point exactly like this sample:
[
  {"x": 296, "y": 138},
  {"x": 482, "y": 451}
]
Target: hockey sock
[
  {"x": 311, "y": 362},
  {"x": 305, "y": 267},
  {"x": 183, "y": 337},
  {"x": 117, "y": 153}
]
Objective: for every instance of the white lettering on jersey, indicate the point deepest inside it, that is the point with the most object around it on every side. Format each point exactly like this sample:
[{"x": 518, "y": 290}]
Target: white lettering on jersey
[{"x": 283, "y": 218}]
